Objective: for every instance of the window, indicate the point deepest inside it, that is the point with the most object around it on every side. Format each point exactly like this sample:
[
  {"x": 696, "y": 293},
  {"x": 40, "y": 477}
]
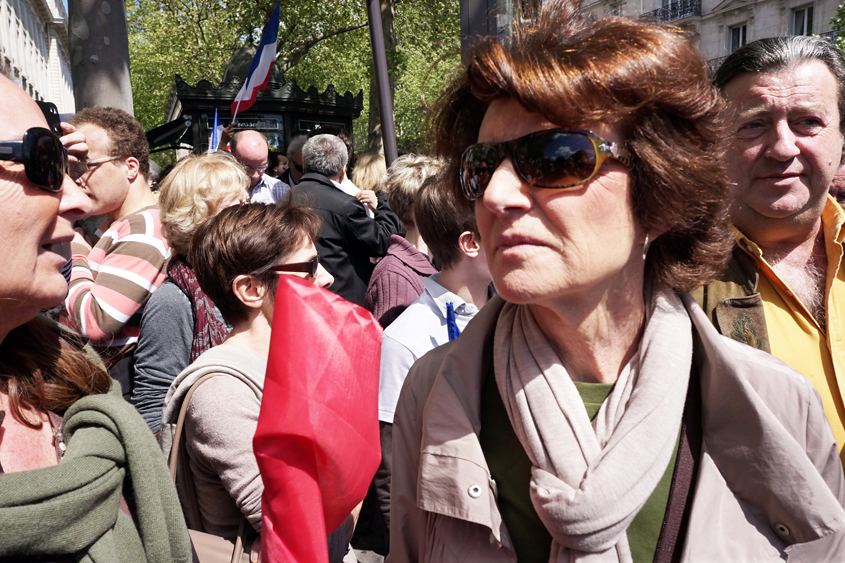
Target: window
[
  {"x": 739, "y": 37},
  {"x": 802, "y": 21}
]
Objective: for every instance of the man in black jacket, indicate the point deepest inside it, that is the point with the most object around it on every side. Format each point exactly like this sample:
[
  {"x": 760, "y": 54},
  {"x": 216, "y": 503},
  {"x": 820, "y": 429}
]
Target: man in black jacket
[{"x": 351, "y": 235}]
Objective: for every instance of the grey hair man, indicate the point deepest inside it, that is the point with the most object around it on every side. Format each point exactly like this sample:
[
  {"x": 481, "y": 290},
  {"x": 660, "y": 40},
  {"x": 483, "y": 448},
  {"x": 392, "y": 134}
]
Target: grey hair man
[
  {"x": 784, "y": 289},
  {"x": 251, "y": 150},
  {"x": 350, "y": 236}
]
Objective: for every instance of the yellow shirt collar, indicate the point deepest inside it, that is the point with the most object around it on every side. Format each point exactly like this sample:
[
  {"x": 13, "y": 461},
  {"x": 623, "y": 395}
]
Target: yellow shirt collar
[{"x": 833, "y": 218}]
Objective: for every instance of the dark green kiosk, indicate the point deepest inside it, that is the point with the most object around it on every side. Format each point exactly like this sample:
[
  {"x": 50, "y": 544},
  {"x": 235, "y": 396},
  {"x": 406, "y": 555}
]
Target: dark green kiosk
[{"x": 282, "y": 111}]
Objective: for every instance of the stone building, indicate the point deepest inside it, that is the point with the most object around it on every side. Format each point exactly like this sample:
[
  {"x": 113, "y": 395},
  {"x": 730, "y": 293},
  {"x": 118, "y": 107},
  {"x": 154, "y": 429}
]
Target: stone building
[
  {"x": 724, "y": 25},
  {"x": 34, "y": 49}
]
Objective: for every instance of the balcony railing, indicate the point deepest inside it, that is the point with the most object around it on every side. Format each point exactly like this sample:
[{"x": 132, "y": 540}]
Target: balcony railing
[{"x": 675, "y": 11}]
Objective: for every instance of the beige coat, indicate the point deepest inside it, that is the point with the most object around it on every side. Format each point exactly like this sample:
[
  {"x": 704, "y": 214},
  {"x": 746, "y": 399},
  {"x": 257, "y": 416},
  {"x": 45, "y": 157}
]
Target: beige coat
[{"x": 443, "y": 499}]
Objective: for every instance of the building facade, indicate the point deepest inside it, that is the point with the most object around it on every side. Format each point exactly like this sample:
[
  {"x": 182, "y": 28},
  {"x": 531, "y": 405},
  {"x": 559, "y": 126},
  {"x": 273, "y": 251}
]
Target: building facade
[
  {"x": 722, "y": 26},
  {"x": 34, "y": 49}
]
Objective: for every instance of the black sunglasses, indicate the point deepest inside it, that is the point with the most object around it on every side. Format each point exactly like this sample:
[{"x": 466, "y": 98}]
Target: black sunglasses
[
  {"x": 555, "y": 158},
  {"x": 43, "y": 156},
  {"x": 309, "y": 267},
  {"x": 299, "y": 167}
]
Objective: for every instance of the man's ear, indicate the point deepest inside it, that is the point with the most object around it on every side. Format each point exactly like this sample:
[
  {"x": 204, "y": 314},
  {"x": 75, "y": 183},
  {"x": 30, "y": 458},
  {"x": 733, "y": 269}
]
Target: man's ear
[
  {"x": 132, "y": 168},
  {"x": 469, "y": 243},
  {"x": 249, "y": 290}
]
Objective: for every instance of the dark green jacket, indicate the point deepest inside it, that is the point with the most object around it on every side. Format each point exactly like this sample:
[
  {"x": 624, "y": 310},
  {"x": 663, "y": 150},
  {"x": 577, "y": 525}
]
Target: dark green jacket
[{"x": 733, "y": 304}]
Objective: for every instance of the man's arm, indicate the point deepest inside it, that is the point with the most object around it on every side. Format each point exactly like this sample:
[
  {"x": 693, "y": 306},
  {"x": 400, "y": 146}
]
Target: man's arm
[
  {"x": 104, "y": 294},
  {"x": 372, "y": 235}
]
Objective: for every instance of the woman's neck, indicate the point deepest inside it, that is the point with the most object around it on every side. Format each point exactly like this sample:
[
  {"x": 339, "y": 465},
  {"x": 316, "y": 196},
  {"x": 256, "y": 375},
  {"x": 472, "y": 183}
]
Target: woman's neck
[
  {"x": 252, "y": 334},
  {"x": 595, "y": 338}
]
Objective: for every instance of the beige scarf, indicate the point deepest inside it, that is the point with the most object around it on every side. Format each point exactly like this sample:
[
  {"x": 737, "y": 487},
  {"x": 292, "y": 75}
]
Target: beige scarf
[{"x": 590, "y": 480}]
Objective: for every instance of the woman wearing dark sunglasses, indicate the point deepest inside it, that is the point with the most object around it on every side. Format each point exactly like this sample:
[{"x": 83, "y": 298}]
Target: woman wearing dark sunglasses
[
  {"x": 80, "y": 478},
  {"x": 591, "y": 412},
  {"x": 237, "y": 256}
]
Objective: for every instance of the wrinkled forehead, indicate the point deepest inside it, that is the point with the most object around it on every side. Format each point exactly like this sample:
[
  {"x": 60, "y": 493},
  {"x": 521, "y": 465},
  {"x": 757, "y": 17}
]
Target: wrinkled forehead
[
  {"x": 807, "y": 84},
  {"x": 18, "y": 112}
]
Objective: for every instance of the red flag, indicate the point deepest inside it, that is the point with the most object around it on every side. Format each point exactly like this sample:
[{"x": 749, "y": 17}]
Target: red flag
[{"x": 317, "y": 442}]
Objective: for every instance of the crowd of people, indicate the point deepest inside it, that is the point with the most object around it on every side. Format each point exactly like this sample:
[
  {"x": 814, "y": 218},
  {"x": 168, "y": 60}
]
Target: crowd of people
[{"x": 612, "y": 303}]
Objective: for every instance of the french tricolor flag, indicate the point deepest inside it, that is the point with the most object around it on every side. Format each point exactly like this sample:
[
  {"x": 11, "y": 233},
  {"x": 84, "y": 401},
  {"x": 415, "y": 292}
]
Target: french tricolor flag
[{"x": 259, "y": 72}]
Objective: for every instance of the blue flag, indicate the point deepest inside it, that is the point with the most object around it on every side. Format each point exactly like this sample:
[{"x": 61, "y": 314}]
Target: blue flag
[{"x": 215, "y": 134}]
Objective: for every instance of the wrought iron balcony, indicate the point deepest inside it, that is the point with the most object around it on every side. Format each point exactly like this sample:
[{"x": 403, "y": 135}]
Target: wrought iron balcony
[
  {"x": 830, "y": 35},
  {"x": 675, "y": 11}
]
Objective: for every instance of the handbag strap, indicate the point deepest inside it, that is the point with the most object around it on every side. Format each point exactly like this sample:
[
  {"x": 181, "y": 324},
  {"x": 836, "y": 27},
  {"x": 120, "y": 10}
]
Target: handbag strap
[
  {"x": 180, "y": 423},
  {"x": 239, "y": 546}
]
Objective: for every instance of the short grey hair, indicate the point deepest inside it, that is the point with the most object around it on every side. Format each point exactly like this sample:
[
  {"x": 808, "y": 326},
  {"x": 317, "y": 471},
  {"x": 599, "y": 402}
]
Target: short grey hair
[
  {"x": 295, "y": 146},
  {"x": 778, "y": 53},
  {"x": 324, "y": 154}
]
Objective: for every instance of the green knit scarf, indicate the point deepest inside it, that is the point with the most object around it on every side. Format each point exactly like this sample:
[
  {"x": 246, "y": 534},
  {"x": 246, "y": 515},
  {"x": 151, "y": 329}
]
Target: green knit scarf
[{"x": 73, "y": 508}]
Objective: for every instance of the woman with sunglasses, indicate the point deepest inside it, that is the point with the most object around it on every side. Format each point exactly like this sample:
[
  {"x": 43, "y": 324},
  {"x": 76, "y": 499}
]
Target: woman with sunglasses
[
  {"x": 180, "y": 322},
  {"x": 80, "y": 477},
  {"x": 238, "y": 256},
  {"x": 591, "y": 412}
]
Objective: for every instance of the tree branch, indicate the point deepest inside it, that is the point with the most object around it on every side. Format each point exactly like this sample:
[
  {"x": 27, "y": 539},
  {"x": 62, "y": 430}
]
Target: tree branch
[{"x": 295, "y": 55}]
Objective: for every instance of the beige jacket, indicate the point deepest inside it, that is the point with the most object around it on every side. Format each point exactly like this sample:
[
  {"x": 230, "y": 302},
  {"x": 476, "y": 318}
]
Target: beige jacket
[{"x": 771, "y": 489}]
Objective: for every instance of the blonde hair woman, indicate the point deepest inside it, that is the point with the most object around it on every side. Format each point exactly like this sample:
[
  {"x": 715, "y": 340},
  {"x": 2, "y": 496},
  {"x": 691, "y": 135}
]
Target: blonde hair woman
[
  {"x": 180, "y": 322},
  {"x": 369, "y": 172}
]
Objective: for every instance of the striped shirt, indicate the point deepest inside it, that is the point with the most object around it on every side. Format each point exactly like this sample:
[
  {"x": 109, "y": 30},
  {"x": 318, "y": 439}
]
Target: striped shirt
[{"x": 110, "y": 283}]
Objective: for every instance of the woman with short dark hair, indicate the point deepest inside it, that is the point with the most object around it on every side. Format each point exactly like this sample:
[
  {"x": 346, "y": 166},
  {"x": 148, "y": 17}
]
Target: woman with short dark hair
[
  {"x": 237, "y": 257},
  {"x": 591, "y": 412}
]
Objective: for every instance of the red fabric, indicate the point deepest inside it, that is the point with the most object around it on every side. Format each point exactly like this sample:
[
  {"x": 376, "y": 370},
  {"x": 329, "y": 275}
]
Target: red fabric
[{"x": 317, "y": 442}]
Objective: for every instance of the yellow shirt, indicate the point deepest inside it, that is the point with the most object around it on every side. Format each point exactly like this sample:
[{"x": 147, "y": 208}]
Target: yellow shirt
[{"x": 795, "y": 337}]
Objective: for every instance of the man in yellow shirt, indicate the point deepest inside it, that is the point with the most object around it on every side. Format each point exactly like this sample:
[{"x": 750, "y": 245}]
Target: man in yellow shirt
[{"x": 784, "y": 289}]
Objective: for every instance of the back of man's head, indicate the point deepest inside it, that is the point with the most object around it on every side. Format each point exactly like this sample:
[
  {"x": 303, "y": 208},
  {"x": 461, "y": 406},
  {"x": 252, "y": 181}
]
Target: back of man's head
[
  {"x": 126, "y": 136},
  {"x": 442, "y": 218},
  {"x": 325, "y": 154},
  {"x": 778, "y": 53}
]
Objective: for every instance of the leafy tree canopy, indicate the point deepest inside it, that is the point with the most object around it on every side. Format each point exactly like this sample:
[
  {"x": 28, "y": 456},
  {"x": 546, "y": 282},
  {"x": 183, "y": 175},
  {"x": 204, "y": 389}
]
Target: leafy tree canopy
[{"x": 317, "y": 46}]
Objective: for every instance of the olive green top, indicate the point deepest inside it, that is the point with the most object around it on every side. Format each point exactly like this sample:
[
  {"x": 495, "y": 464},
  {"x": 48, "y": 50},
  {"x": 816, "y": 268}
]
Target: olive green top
[{"x": 511, "y": 470}]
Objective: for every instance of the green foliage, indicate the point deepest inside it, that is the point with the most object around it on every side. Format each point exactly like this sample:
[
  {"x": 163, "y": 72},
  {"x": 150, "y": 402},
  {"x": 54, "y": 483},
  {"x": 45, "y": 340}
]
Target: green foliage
[
  {"x": 196, "y": 38},
  {"x": 837, "y": 23},
  {"x": 426, "y": 33}
]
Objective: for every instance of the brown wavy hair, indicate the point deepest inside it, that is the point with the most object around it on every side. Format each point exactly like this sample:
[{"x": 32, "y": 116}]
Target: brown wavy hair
[
  {"x": 248, "y": 240},
  {"x": 46, "y": 368},
  {"x": 649, "y": 80}
]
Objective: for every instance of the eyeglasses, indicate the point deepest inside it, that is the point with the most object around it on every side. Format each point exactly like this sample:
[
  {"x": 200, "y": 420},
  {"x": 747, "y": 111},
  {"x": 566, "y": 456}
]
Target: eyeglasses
[
  {"x": 299, "y": 167},
  {"x": 251, "y": 169},
  {"x": 43, "y": 156},
  {"x": 100, "y": 161},
  {"x": 555, "y": 158},
  {"x": 309, "y": 267}
]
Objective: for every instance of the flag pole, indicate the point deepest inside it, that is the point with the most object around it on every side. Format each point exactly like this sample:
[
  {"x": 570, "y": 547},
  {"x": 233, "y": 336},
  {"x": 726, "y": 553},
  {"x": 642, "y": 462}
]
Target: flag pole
[{"x": 237, "y": 107}]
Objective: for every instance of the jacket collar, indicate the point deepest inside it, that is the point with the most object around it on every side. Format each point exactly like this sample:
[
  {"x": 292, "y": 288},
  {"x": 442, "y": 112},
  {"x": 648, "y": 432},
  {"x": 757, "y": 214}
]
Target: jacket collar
[
  {"x": 406, "y": 253},
  {"x": 316, "y": 178}
]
